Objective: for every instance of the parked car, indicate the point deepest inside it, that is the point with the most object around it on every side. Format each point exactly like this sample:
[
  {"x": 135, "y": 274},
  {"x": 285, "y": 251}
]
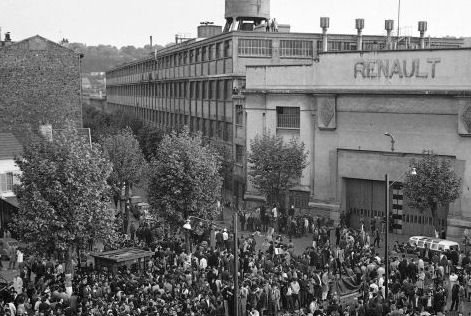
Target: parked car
[
  {"x": 5, "y": 247},
  {"x": 435, "y": 244}
]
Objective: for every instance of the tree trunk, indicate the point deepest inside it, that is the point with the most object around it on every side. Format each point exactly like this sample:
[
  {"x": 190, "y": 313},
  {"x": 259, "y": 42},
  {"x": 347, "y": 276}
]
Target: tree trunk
[
  {"x": 68, "y": 260},
  {"x": 436, "y": 227},
  {"x": 116, "y": 198},
  {"x": 127, "y": 207}
]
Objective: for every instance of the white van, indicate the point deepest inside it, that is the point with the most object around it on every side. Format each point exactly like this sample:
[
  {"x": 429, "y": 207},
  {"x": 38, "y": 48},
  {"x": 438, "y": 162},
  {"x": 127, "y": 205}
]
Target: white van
[{"x": 436, "y": 244}]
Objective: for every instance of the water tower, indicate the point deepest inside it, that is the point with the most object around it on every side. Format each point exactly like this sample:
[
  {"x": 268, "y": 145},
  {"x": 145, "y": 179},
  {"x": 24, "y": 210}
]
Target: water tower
[{"x": 246, "y": 14}]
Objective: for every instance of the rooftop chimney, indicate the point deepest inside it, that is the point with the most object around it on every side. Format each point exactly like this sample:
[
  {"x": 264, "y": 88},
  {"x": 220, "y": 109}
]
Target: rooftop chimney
[
  {"x": 324, "y": 25},
  {"x": 388, "y": 26},
  {"x": 359, "y": 25},
  {"x": 422, "y": 30}
]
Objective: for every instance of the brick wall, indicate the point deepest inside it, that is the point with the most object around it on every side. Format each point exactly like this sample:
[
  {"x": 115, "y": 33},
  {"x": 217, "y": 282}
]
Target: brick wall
[{"x": 39, "y": 83}]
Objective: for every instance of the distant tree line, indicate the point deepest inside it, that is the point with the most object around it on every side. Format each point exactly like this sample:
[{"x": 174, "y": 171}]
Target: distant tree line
[{"x": 102, "y": 58}]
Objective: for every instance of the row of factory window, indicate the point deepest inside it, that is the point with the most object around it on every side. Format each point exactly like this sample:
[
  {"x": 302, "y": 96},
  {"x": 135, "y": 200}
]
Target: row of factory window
[
  {"x": 208, "y": 127},
  {"x": 264, "y": 48},
  {"x": 204, "y": 89},
  {"x": 300, "y": 48},
  {"x": 209, "y": 52}
]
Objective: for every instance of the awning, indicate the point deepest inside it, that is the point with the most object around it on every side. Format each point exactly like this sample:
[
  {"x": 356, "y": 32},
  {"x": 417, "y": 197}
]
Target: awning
[
  {"x": 253, "y": 197},
  {"x": 12, "y": 200}
]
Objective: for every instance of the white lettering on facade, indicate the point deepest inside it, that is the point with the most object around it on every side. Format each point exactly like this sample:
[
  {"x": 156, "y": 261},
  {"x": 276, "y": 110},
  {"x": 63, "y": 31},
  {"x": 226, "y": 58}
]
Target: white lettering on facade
[{"x": 396, "y": 68}]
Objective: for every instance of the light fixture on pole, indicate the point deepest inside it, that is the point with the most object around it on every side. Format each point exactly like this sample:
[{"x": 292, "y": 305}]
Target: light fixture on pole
[
  {"x": 393, "y": 141},
  {"x": 187, "y": 225},
  {"x": 412, "y": 172}
]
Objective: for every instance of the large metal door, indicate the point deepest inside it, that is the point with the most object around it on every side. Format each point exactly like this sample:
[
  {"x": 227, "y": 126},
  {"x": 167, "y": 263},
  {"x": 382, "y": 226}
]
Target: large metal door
[{"x": 365, "y": 203}]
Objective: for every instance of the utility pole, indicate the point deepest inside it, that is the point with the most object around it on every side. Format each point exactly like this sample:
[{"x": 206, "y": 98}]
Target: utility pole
[
  {"x": 236, "y": 268},
  {"x": 386, "y": 253}
]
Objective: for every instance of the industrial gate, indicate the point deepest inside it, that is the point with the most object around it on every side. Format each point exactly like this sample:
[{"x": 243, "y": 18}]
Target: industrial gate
[{"x": 365, "y": 204}]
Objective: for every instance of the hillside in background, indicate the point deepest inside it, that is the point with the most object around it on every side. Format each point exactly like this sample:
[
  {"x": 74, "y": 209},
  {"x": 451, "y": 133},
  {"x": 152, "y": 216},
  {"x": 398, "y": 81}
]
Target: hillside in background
[{"x": 104, "y": 57}]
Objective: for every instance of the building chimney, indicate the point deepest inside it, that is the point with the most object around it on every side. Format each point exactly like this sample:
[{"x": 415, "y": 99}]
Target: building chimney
[
  {"x": 150, "y": 38},
  {"x": 359, "y": 25},
  {"x": 388, "y": 26},
  {"x": 46, "y": 131},
  {"x": 422, "y": 30},
  {"x": 324, "y": 25}
]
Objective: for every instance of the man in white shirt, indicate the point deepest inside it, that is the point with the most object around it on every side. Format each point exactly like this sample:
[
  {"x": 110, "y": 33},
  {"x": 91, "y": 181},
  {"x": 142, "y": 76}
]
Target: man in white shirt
[
  {"x": 295, "y": 288},
  {"x": 274, "y": 212},
  {"x": 12, "y": 308},
  {"x": 203, "y": 263},
  {"x": 225, "y": 238},
  {"x": 18, "y": 284},
  {"x": 381, "y": 271},
  {"x": 420, "y": 264},
  {"x": 19, "y": 259},
  {"x": 453, "y": 280}
]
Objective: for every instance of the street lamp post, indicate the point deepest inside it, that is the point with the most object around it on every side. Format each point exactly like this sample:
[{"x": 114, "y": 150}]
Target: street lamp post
[
  {"x": 386, "y": 253},
  {"x": 236, "y": 267}
]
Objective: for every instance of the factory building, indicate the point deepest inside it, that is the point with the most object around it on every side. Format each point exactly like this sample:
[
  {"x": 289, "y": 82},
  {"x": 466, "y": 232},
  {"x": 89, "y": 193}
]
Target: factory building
[
  {"x": 342, "y": 106},
  {"x": 200, "y": 82}
]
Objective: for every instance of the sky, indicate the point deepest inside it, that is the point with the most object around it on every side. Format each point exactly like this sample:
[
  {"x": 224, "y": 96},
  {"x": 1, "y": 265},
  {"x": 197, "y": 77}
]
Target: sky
[{"x": 123, "y": 22}]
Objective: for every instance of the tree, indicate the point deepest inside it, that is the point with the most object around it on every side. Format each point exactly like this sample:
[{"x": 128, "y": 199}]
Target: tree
[
  {"x": 63, "y": 195},
  {"x": 184, "y": 178},
  {"x": 129, "y": 165},
  {"x": 103, "y": 124},
  {"x": 275, "y": 166},
  {"x": 149, "y": 137},
  {"x": 100, "y": 123},
  {"x": 227, "y": 162},
  {"x": 435, "y": 184}
]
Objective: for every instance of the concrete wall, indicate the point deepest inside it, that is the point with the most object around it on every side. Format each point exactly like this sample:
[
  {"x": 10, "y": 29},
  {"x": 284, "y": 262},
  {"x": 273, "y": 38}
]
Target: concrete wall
[
  {"x": 280, "y": 77},
  {"x": 39, "y": 83}
]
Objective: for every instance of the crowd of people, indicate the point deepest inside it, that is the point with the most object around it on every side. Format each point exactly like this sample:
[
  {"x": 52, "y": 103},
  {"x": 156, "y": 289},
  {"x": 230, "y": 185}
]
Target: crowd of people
[
  {"x": 340, "y": 273},
  {"x": 288, "y": 222}
]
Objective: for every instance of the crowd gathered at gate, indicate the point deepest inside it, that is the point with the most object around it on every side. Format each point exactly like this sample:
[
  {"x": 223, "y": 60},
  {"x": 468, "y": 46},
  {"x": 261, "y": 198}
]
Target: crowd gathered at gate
[{"x": 340, "y": 273}]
